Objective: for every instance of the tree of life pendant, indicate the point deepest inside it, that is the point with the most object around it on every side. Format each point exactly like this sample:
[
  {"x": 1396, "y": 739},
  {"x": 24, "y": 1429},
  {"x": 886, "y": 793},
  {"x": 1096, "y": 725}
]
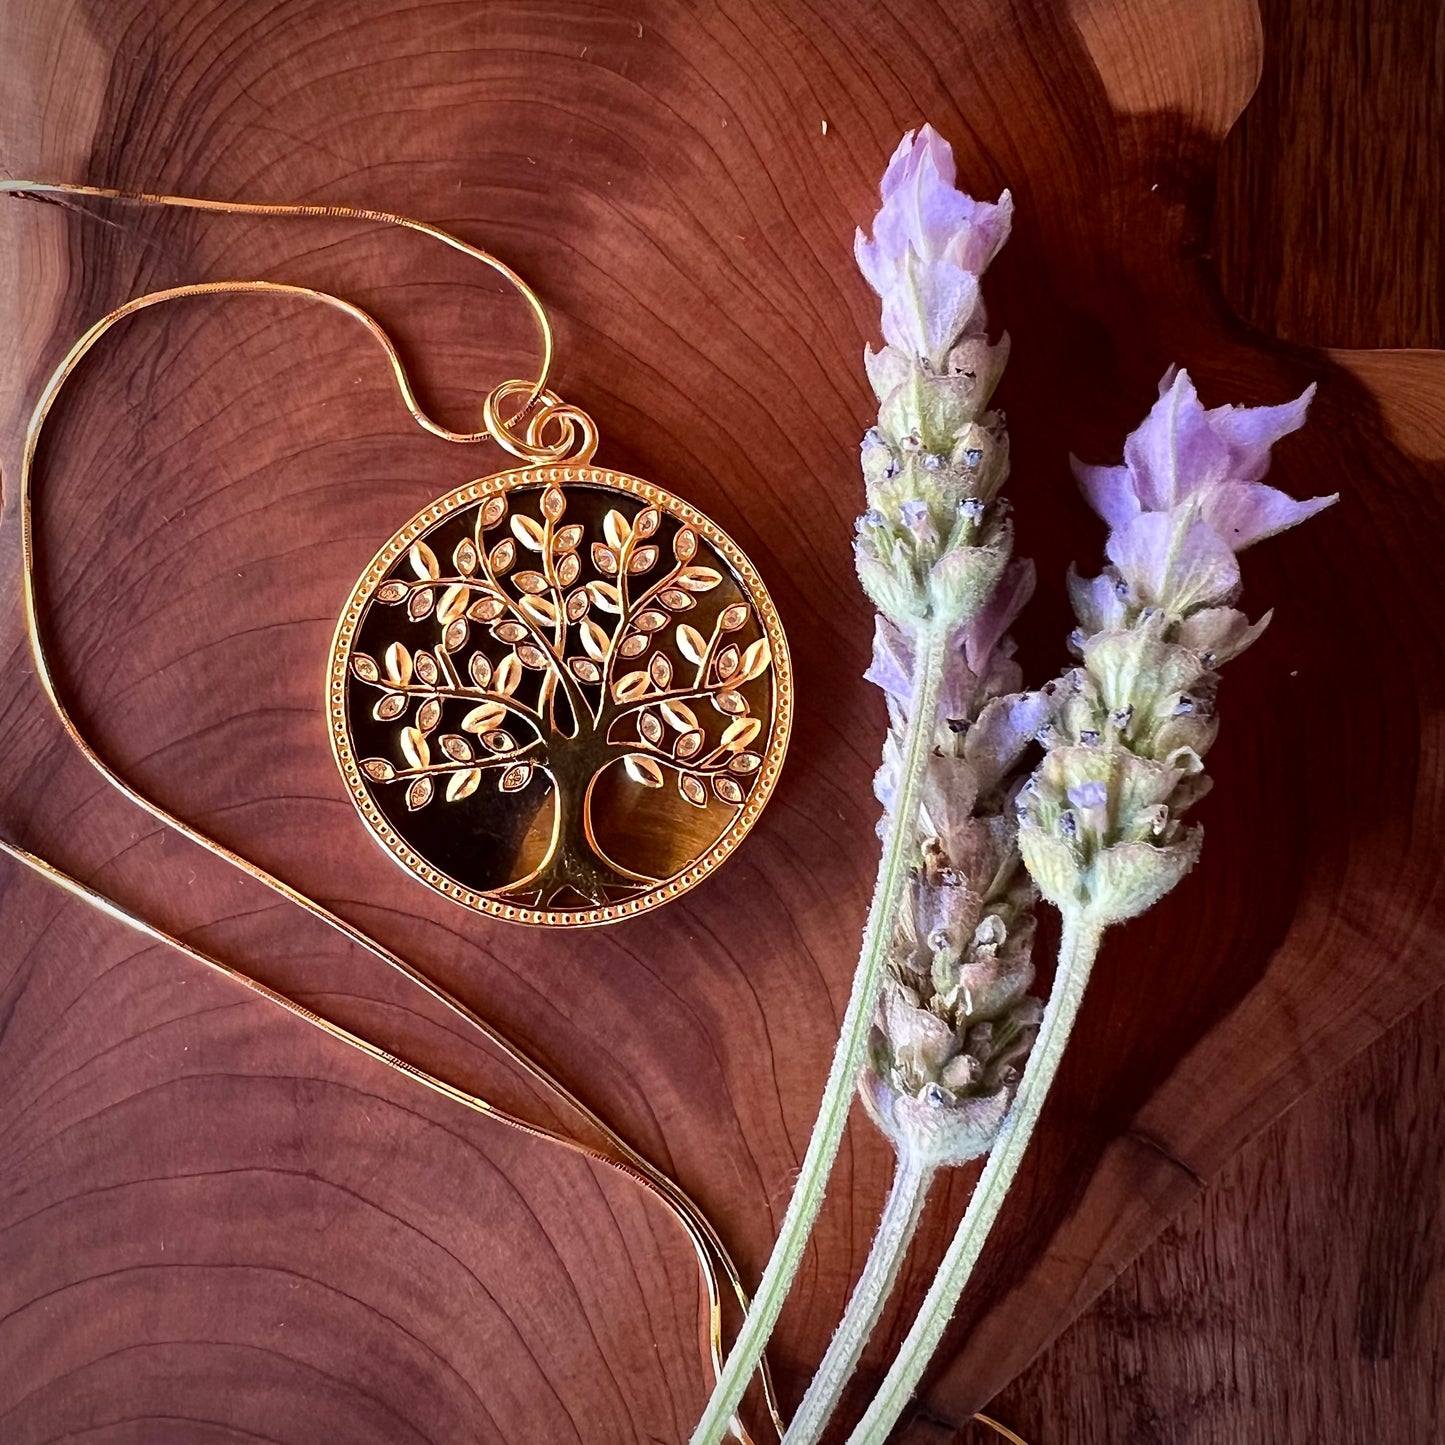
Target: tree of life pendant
[{"x": 560, "y": 695}]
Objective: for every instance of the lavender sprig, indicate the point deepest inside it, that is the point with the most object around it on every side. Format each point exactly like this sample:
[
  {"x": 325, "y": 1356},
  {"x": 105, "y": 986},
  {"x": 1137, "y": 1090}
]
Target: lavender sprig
[
  {"x": 930, "y": 551},
  {"x": 955, "y": 1021},
  {"x": 1099, "y": 821}
]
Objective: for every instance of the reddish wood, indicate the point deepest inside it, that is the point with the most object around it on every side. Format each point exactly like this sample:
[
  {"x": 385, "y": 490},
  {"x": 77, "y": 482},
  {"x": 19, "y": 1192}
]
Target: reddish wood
[
  {"x": 213, "y": 1225},
  {"x": 1301, "y": 1298}
]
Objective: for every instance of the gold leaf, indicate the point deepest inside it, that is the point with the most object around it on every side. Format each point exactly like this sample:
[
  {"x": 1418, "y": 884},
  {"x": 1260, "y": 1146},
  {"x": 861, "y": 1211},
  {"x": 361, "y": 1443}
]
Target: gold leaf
[
  {"x": 365, "y": 667},
  {"x": 500, "y": 742},
  {"x": 684, "y": 545},
  {"x": 532, "y": 656},
  {"x": 577, "y": 604},
  {"x": 454, "y": 600},
  {"x": 414, "y": 747},
  {"x": 455, "y": 637},
  {"x": 569, "y": 569},
  {"x": 733, "y": 617},
  {"x": 392, "y": 705},
  {"x": 692, "y": 790},
  {"x": 509, "y": 674},
  {"x": 642, "y": 560},
  {"x": 456, "y": 747},
  {"x": 698, "y": 579},
  {"x": 544, "y": 693},
  {"x": 727, "y": 789},
  {"x": 516, "y": 778},
  {"x": 429, "y": 714},
  {"x": 484, "y": 718},
  {"x": 553, "y": 503},
  {"x": 486, "y": 609},
  {"x": 644, "y": 524},
  {"x": 532, "y": 582},
  {"x": 727, "y": 661},
  {"x": 568, "y": 538},
  {"x": 398, "y": 664},
  {"x": 660, "y": 669},
  {"x": 463, "y": 785},
  {"x": 509, "y": 631},
  {"x": 629, "y": 686},
  {"x": 634, "y": 646},
  {"x": 426, "y": 668},
  {"x": 503, "y": 555},
  {"x": 732, "y": 703},
  {"x": 464, "y": 559},
  {"x": 680, "y": 715},
  {"x": 690, "y": 642},
  {"x": 616, "y": 529},
  {"x": 586, "y": 669},
  {"x": 689, "y": 744},
  {"x": 675, "y": 599},
  {"x": 420, "y": 604},
  {"x": 650, "y": 621},
  {"x": 740, "y": 732},
  {"x": 650, "y": 727},
  {"x": 527, "y": 532},
  {"x": 480, "y": 668},
  {"x": 604, "y": 559},
  {"x": 391, "y": 592},
  {"x": 745, "y": 763},
  {"x": 642, "y": 769},
  {"x": 756, "y": 659},
  {"x": 419, "y": 794},
  {"x": 540, "y": 610},
  {"x": 424, "y": 562},
  {"x": 605, "y": 596},
  {"x": 493, "y": 510},
  {"x": 378, "y": 770},
  {"x": 594, "y": 640}
]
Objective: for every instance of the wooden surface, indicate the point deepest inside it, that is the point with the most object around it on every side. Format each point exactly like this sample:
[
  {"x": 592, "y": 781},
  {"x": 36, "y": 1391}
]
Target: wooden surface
[
  {"x": 1300, "y": 1299},
  {"x": 212, "y": 1226}
]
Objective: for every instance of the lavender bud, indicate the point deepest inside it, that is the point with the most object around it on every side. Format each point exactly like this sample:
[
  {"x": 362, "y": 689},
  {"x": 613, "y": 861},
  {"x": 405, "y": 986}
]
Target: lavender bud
[{"x": 1088, "y": 795}]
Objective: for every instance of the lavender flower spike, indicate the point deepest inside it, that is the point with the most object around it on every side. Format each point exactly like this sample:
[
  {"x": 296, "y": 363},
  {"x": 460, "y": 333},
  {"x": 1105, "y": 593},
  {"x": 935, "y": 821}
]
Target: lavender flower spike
[
  {"x": 1101, "y": 825},
  {"x": 933, "y": 543},
  {"x": 931, "y": 242},
  {"x": 947, "y": 941}
]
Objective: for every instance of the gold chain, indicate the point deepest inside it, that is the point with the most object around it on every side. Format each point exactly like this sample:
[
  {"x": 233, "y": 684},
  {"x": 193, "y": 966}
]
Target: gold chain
[{"x": 521, "y": 431}]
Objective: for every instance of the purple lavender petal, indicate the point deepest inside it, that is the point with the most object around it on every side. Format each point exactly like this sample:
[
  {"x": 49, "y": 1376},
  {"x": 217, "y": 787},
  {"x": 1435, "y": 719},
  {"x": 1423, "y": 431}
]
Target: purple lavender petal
[
  {"x": 1089, "y": 795},
  {"x": 1250, "y": 431},
  {"x": 877, "y": 266},
  {"x": 980, "y": 636},
  {"x": 1173, "y": 571},
  {"x": 1108, "y": 490},
  {"x": 974, "y": 245},
  {"x": 1246, "y": 512},
  {"x": 928, "y": 306},
  {"x": 892, "y": 666},
  {"x": 1174, "y": 452},
  {"x": 1004, "y": 729},
  {"x": 959, "y": 686}
]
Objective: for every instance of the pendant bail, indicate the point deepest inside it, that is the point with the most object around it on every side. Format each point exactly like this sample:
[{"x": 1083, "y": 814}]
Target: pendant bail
[{"x": 522, "y": 431}]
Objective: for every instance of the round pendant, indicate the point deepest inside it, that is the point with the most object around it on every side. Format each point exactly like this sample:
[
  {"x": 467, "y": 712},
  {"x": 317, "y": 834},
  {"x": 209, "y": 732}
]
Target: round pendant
[{"x": 560, "y": 695}]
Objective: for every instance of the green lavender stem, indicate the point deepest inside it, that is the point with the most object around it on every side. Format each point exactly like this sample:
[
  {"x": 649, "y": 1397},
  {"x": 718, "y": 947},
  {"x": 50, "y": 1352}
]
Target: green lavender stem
[
  {"x": 900, "y": 852},
  {"x": 1077, "y": 951},
  {"x": 896, "y": 1229}
]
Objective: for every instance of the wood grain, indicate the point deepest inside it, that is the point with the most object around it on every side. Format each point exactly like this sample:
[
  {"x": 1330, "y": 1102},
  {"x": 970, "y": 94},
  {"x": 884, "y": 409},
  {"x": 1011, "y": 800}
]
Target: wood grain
[
  {"x": 1301, "y": 1298},
  {"x": 214, "y": 1227},
  {"x": 1332, "y": 186}
]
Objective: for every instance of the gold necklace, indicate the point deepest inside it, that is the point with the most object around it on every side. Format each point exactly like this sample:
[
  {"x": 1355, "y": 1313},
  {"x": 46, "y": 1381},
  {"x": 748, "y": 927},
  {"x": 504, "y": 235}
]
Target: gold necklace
[{"x": 518, "y": 415}]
